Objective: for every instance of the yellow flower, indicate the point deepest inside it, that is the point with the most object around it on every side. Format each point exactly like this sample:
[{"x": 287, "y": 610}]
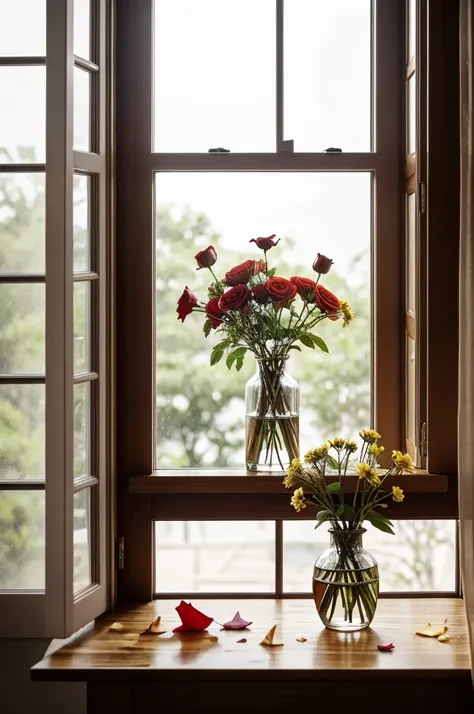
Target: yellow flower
[
  {"x": 397, "y": 494},
  {"x": 312, "y": 457},
  {"x": 351, "y": 446},
  {"x": 338, "y": 442},
  {"x": 403, "y": 461},
  {"x": 376, "y": 450},
  {"x": 292, "y": 471},
  {"x": 369, "y": 435},
  {"x": 347, "y": 312},
  {"x": 367, "y": 472},
  {"x": 375, "y": 481},
  {"x": 298, "y": 500}
]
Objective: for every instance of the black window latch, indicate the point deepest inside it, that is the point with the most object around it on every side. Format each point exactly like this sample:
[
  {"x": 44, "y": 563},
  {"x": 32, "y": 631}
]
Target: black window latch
[
  {"x": 219, "y": 150},
  {"x": 332, "y": 150}
]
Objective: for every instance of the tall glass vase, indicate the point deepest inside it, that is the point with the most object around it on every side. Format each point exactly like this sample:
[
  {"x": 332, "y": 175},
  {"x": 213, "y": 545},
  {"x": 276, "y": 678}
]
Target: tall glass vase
[
  {"x": 346, "y": 582},
  {"x": 272, "y": 405}
]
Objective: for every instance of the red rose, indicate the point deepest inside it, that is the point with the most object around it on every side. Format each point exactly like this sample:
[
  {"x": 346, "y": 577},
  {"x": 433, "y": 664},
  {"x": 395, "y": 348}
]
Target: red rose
[
  {"x": 260, "y": 293},
  {"x": 241, "y": 274},
  {"x": 214, "y": 312},
  {"x": 206, "y": 258},
  {"x": 280, "y": 290},
  {"x": 235, "y": 299},
  {"x": 186, "y": 302},
  {"x": 265, "y": 243},
  {"x": 305, "y": 288},
  {"x": 327, "y": 302},
  {"x": 322, "y": 265}
]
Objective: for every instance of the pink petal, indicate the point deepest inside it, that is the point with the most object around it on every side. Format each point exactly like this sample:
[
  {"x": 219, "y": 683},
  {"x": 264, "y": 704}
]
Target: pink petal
[{"x": 237, "y": 623}]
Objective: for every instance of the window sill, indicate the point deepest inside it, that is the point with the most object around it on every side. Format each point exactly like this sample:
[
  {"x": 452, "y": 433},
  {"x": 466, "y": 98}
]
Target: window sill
[{"x": 237, "y": 481}]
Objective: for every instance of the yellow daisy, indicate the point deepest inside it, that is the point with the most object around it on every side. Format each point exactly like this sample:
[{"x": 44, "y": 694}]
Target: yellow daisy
[
  {"x": 346, "y": 311},
  {"x": 351, "y": 446},
  {"x": 293, "y": 469},
  {"x": 338, "y": 442},
  {"x": 369, "y": 435},
  {"x": 312, "y": 457},
  {"x": 403, "y": 461},
  {"x": 375, "y": 450},
  {"x": 298, "y": 500},
  {"x": 367, "y": 472},
  {"x": 397, "y": 494}
]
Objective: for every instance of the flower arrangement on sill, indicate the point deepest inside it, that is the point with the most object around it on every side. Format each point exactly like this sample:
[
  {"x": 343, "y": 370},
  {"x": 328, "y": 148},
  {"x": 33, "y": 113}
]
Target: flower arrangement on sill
[
  {"x": 254, "y": 310},
  {"x": 346, "y": 579}
]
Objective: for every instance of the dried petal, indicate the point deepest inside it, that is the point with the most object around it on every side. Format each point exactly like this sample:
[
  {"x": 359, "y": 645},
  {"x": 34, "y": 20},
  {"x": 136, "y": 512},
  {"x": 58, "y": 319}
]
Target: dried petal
[
  {"x": 117, "y": 627},
  {"x": 301, "y": 639},
  {"x": 269, "y": 639},
  {"x": 239, "y": 642},
  {"x": 386, "y": 648},
  {"x": 237, "y": 623},
  {"x": 154, "y": 628},
  {"x": 430, "y": 631},
  {"x": 444, "y": 638},
  {"x": 212, "y": 638},
  {"x": 192, "y": 620}
]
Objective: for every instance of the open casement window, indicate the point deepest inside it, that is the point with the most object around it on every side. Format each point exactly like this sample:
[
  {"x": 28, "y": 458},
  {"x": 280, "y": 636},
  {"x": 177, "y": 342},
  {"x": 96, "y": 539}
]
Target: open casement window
[{"x": 54, "y": 282}]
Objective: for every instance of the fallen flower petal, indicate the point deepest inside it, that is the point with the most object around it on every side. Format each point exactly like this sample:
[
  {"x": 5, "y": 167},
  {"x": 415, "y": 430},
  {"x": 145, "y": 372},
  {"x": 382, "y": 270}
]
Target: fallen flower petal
[
  {"x": 192, "y": 620},
  {"x": 386, "y": 648},
  {"x": 301, "y": 639},
  {"x": 117, "y": 627},
  {"x": 444, "y": 638},
  {"x": 239, "y": 642},
  {"x": 237, "y": 623},
  {"x": 269, "y": 639},
  {"x": 212, "y": 638},
  {"x": 430, "y": 631},
  {"x": 154, "y": 628}
]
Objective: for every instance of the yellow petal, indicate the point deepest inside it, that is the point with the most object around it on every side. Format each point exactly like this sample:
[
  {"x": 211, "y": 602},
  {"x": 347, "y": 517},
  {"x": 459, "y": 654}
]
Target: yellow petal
[
  {"x": 269, "y": 639},
  {"x": 154, "y": 628},
  {"x": 443, "y": 638},
  {"x": 430, "y": 631},
  {"x": 212, "y": 638},
  {"x": 117, "y": 627},
  {"x": 301, "y": 639}
]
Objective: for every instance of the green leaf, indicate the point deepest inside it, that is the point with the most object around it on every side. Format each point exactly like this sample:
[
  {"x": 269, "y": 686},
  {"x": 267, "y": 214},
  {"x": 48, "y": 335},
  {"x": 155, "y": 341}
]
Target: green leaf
[
  {"x": 381, "y": 526},
  {"x": 319, "y": 342},
  {"x": 271, "y": 272},
  {"x": 323, "y": 516},
  {"x": 239, "y": 363},
  {"x": 334, "y": 487},
  {"x": 235, "y": 354},
  {"x": 207, "y": 328},
  {"x": 216, "y": 354},
  {"x": 381, "y": 505},
  {"x": 374, "y": 516},
  {"x": 307, "y": 341},
  {"x": 345, "y": 512},
  {"x": 295, "y": 347},
  {"x": 332, "y": 462}
]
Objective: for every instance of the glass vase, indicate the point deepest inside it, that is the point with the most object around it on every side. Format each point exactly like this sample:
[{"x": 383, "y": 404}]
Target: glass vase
[
  {"x": 346, "y": 583},
  {"x": 272, "y": 403}
]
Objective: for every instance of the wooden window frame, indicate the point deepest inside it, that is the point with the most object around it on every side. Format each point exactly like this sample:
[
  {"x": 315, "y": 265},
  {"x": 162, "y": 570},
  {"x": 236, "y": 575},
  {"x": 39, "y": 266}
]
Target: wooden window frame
[{"x": 145, "y": 495}]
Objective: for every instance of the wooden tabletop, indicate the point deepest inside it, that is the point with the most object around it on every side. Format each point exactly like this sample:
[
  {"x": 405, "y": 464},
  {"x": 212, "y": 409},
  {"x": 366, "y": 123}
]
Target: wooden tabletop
[{"x": 112, "y": 648}]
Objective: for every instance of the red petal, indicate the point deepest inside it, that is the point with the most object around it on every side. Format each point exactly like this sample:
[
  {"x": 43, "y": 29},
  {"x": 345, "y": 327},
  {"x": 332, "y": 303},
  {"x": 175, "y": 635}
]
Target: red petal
[
  {"x": 192, "y": 620},
  {"x": 386, "y": 648},
  {"x": 240, "y": 642},
  {"x": 237, "y": 623}
]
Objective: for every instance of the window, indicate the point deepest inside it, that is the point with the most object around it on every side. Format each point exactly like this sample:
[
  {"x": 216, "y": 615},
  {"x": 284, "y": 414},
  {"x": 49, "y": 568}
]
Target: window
[{"x": 53, "y": 321}]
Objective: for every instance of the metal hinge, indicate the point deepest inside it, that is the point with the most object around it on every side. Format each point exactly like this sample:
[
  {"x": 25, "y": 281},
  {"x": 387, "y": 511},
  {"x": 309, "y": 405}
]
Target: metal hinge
[
  {"x": 423, "y": 440},
  {"x": 120, "y": 553},
  {"x": 422, "y": 196}
]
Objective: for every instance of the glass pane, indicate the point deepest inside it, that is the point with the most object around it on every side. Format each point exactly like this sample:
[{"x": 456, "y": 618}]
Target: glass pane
[
  {"x": 22, "y": 223},
  {"x": 22, "y": 414},
  {"x": 82, "y": 91},
  {"x": 327, "y": 74},
  {"x": 81, "y": 217},
  {"x": 420, "y": 557},
  {"x": 411, "y": 390},
  {"x": 200, "y": 409},
  {"x": 411, "y": 119},
  {"x": 22, "y": 96},
  {"x": 411, "y": 29},
  {"x": 411, "y": 240},
  {"x": 82, "y": 539},
  {"x": 22, "y": 329},
  {"x": 214, "y": 75},
  {"x": 22, "y": 541},
  {"x": 82, "y": 326},
  {"x": 82, "y": 429},
  {"x": 82, "y": 28},
  {"x": 23, "y": 28},
  {"x": 215, "y": 556}
]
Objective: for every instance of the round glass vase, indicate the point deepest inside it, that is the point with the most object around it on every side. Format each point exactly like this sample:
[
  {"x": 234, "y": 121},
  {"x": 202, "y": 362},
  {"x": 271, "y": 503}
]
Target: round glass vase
[
  {"x": 346, "y": 583},
  {"x": 272, "y": 405}
]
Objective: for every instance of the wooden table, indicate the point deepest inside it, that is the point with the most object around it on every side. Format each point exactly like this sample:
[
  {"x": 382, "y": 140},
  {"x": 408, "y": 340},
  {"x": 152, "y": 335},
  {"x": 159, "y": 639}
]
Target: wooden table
[{"x": 190, "y": 672}]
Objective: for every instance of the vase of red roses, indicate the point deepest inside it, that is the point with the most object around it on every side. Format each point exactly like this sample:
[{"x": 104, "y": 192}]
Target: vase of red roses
[{"x": 255, "y": 311}]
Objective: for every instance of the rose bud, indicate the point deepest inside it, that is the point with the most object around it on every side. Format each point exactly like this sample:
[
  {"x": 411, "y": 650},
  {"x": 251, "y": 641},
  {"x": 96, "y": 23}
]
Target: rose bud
[
  {"x": 265, "y": 243},
  {"x": 186, "y": 302},
  {"x": 305, "y": 288},
  {"x": 259, "y": 267},
  {"x": 281, "y": 291},
  {"x": 241, "y": 274},
  {"x": 260, "y": 293},
  {"x": 322, "y": 265},
  {"x": 327, "y": 302},
  {"x": 214, "y": 312},
  {"x": 206, "y": 258}
]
